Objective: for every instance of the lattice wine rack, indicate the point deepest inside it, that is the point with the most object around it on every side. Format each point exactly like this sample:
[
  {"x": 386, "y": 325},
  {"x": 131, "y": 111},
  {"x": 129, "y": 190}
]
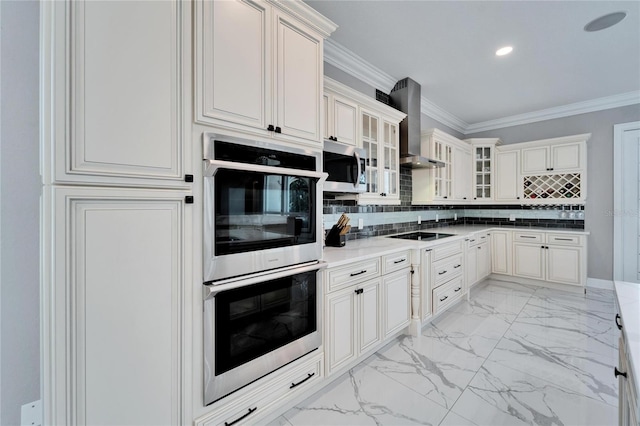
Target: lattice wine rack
[{"x": 565, "y": 186}]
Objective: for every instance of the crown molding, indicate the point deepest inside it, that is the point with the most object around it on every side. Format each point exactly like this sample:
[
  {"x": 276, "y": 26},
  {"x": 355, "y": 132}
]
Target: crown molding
[
  {"x": 349, "y": 62},
  {"x": 344, "y": 59},
  {"x": 608, "y": 102},
  {"x": 445, "y": 117}
]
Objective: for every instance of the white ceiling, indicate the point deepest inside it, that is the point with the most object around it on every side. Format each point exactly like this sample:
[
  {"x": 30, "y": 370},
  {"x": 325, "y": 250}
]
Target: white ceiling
[{"x": 449, "y": 48}]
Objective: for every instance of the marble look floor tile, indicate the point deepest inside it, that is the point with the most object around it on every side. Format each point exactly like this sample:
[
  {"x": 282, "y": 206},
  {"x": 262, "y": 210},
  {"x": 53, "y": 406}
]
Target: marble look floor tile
[
  {"x": 476, "y": 334},
  {"x": 496, "y": 298},
  {"x": 428, "y": 366},
  {"x": 453, "y": 419},
  {"x": 573, "y": 365},
  {"x": 499, "y": 395},
  {"x": 279, "y": 421},
  {"x": 364, "y": 396}
]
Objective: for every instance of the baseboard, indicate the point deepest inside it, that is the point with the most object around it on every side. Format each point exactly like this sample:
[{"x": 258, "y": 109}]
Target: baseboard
[{"x": 598, "y": 283}]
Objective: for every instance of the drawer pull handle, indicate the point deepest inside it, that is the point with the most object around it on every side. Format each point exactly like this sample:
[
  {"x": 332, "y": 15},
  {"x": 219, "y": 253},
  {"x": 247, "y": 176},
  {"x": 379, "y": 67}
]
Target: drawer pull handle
[
  {"x": 472, "y": 240},
  {"x": 526, "y": 236},
  {"x": 239, "y": 419},
  {"x": 563, "y": 239},
  {"x": 400, "y": 261},
  {"x": 358, "y": 291},
  {"x": 443, "y": 272},
  {"x": 457, "y": 266},
  {"x": 353, "y": 274},
  {"x": 618, "y": 323},
  {"x": 309, "y": 375},
  {"x": 457, "y": 289},
  {"x": 444, "y": 298},
  {"x": 617, "y": 373}
]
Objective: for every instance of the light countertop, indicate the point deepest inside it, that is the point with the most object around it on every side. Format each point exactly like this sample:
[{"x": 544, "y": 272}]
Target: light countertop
[
  {"x": 628, "y": 295},
  {"x": 361, "y": 249}
]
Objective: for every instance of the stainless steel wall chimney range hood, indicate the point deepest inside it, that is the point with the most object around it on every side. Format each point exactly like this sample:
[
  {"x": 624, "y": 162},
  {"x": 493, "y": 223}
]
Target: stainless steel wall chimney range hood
[{"x": 406, "y": 97}]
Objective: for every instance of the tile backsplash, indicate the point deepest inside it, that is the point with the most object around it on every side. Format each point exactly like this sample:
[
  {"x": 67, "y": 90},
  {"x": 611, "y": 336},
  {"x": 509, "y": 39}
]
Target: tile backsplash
[{"x": 385, "y": 220}]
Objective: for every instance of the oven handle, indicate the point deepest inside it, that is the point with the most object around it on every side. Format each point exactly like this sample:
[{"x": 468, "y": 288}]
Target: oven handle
[
  {"x": 210, "y": 290},
  {"x": 212, "y": 166}
]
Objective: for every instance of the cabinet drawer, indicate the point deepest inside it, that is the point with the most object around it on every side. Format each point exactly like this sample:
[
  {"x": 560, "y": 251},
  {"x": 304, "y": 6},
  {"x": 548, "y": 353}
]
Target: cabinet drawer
[
  {"x": 445, "y": 269},
  {"x": 446, "y": 250},
  {"x": 352, "y": 274},
  {"x": 447, "y": 294},
  {"x": 528, "y": 237},
  {"x": 564, "y": 239},
  {"x": 250, "y": 407},
  {"x": 396, "y": 261},
  {"x": 476, "y": 239}
]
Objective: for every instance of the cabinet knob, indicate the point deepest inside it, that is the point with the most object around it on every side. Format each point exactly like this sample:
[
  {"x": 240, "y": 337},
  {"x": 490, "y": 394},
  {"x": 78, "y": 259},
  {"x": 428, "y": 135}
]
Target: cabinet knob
[
  {"x": 188, "y": 178},
  {"x": 278, "y": 130},
  {"x": 270, "y": 128},
  {"x": 617, "y": 373}
]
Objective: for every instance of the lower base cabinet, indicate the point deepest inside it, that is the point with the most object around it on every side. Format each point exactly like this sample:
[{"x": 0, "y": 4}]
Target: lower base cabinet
[
  {"x": 628, "y": 406},
  {"x": 397, "y": 301},
  {"x": 558, "y": 258}
]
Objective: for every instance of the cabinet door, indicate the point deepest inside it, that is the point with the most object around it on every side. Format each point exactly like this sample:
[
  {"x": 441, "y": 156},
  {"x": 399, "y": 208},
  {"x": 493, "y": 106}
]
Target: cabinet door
[
  {"x": 507, "y": 182},
  {"x": 235, "y": 77},
  {"x": 371, "y": 145},
  {"x": 563, "y": 264},
  {"x": 534, "y": 160},
  {"x": 391, "y": 153},
  {"x": 345, "y": 121},
  {"x": 471, "y": 266},
  {"x": 482, "y": 173},
  {"x": 565, "y": 157},
  {"x": 118, "y": 321},
  {"x": 461, "y": 178},
  {"x": 340, "y": 337},
  {"x": 369, "y": 315},
  {"x": 528, "y": 261},
  {"x": 484, "y": 261},
  {"x": 327, "y": 110},
  {"x": 397, "y": 303},
  {"x": 501, "y": 252},
  {"x": 124, "y": 93},
  {"x": 298, "y": 84},
  {"x": 443, "y": 175}
]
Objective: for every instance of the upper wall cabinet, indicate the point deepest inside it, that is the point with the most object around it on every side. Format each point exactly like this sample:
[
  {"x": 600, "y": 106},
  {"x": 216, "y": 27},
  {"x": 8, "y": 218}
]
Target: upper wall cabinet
[
  {"x": 341, "y": 119},
  {"x": 553, "y": 157},
  {"x": 259, "y": 68},
  {"x": 483, "y": 172},
  {"x": 116, "y": 93}
]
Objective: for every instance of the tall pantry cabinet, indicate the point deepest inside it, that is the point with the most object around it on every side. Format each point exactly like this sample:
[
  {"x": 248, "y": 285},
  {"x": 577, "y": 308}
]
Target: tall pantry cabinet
[
  {"x": 121, "y": 163},
  {"x": 116, "y": 215}
]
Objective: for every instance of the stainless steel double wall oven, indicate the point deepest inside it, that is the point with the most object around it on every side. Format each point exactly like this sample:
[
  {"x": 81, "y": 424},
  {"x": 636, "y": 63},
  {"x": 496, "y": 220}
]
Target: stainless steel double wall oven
[{"x": 262, "y": 245}]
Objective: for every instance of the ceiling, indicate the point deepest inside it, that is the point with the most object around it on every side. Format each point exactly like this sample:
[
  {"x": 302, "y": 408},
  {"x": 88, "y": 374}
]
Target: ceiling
[{"x": 449, "y": 48}]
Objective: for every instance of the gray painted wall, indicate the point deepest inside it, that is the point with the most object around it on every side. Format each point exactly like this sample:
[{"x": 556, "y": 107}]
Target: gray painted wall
[
  {"x": 19, "y": 201},
  {"x": 598, "y": 218}
]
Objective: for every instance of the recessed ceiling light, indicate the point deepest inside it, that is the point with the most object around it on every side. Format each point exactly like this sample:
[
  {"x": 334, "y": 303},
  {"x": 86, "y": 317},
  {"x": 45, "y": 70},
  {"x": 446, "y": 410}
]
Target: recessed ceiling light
[
  {"x": 605, "y": 21},
  {"x": 504, "y": 51}
]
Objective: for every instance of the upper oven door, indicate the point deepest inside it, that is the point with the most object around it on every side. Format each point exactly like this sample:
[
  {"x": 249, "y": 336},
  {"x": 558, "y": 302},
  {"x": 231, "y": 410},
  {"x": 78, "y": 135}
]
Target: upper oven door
[{"x": 259, "y": 216}]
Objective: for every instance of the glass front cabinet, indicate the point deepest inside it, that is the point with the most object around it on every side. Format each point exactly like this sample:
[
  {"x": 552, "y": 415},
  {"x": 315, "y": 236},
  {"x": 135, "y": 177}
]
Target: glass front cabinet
[{"x": 483, "y": 163}]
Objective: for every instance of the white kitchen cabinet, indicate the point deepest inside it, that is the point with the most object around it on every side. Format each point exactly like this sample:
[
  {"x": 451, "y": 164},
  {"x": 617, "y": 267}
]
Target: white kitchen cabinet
[
  {"x": 380, "y": 139},
  {"x": 557, "y": 158},
  {"x": 483, "y": 172},
  {"x": 353, "y": 323},
  {"x": 462, "y": 190},
  {"x": 448, "y": 278},
  {"x": 507, "y": 186},
  {"x": 551, "y": 257},
  {"x": 119, "y": 92},
  {"x": 628, "y": 402},
  {"x": 118, "y": 297},
  {"x": 501, "y": 251},
  {"x": 268, "y": 81},
  {"x": 341, "y": 119},
  {"x": 478, "y": 258},
  {"x": 396, "y": 289}
]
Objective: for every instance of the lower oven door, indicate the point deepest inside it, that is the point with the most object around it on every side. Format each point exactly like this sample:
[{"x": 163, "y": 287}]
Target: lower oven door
[{"x": 255, "y": 326}]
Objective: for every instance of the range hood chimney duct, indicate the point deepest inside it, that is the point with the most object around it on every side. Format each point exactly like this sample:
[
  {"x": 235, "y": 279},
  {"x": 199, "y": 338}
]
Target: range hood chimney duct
[{"x": 405, "y": 95}]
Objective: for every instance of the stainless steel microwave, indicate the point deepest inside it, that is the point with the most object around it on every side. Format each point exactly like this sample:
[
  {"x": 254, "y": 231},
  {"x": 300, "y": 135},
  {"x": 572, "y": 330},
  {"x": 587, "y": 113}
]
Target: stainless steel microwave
[{"x": 345, "y": 166}]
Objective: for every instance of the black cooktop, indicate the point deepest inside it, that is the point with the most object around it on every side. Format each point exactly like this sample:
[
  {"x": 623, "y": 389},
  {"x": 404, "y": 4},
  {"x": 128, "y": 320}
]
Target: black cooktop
[{"x": 422, "y": 236}]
